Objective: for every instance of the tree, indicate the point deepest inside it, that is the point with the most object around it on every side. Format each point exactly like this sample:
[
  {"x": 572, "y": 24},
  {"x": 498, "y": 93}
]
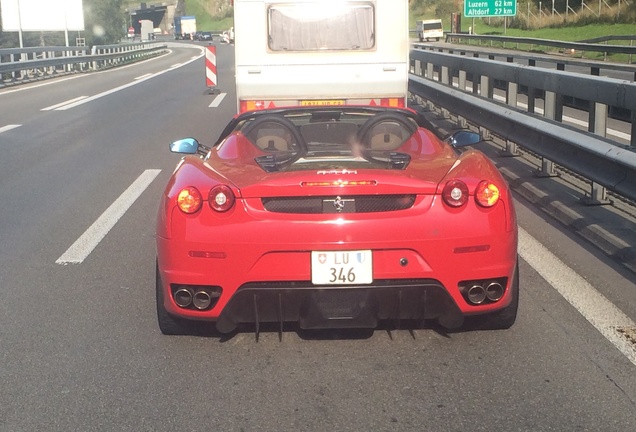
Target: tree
[{"x": 104, "y": 21}]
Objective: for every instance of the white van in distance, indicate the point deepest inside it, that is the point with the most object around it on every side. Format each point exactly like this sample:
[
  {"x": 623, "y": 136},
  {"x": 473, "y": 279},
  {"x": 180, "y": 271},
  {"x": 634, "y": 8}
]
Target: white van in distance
[{"x": 429, "y": 29}]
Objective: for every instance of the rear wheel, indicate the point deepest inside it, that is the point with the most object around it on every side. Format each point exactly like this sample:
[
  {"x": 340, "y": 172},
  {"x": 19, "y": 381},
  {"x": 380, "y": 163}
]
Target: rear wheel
[{"x": 502, "y": 319}]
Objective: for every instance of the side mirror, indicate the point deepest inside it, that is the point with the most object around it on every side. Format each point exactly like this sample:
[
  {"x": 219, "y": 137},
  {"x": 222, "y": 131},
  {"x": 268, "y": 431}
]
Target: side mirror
[
  {"x": 185, "y": 146},
  {"x": 463, "y": 138}
]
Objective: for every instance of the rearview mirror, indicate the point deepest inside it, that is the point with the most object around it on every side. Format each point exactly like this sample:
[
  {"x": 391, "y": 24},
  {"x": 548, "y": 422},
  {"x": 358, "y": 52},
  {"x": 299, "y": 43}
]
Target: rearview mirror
[
  {"x": 463, "y": 138},
  {"x": 185, "y": 146}
]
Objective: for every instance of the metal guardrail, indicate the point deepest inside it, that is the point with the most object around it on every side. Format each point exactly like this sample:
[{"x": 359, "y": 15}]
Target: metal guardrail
[
  {"x": 567, "y": 46},
  {"x": 25, "y": 64},
  {"x": 531, "y": 59},
  {"x": 601, "y": 39},
  {"x": 608, "y": 164}
]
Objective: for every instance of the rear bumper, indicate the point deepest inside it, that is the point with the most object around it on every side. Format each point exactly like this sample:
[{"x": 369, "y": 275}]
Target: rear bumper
[
  {"x": 319, "y": 307},
  {"x": 262, "y": 265}
]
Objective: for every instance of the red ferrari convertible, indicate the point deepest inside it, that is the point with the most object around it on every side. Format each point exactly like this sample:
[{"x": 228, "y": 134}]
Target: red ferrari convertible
[{"x": 335, "y": 217}]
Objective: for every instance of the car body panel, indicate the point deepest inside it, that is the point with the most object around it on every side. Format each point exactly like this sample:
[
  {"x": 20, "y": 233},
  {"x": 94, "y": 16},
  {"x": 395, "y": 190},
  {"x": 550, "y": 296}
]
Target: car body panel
[{"x": 424, "y": 248}]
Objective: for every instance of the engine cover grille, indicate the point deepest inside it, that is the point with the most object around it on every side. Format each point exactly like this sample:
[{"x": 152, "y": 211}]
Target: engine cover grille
[{"x": 339, "y": 204}]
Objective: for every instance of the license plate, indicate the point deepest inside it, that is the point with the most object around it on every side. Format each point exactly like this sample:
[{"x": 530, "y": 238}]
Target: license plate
[
  {"x": 341, "y": 267},
  {"x": 322, "y": 102}
]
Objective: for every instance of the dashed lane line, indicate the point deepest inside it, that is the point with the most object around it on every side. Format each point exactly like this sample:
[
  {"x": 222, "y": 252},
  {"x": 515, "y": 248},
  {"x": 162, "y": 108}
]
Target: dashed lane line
[
  {"x": 52, "y": 107},
  {"x": 88, "y": 241},
  {"x": 217, "y": 100},
  {"x": 9, "y": 127},
  {"x": 123, "y": 87}
]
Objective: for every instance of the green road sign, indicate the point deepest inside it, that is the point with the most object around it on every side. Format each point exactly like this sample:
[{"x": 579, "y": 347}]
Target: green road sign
[{"x": 489, "y": 8}]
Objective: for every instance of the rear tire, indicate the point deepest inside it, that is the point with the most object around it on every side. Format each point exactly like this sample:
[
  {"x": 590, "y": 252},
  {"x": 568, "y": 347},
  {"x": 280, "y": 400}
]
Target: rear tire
[{"x": 502, "y": 319}]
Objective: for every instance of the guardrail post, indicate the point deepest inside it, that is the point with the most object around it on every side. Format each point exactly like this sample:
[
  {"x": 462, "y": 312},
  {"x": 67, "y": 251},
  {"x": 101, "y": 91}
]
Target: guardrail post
[
  {"x": 461, "y": 80},
  {"x": 511, "y": 99},
  {"x": 417, "y": 68},
  {"x": 476, "y": 78},
  {"x": 598, "y": 193},
  {"x": 429, "y": 71},
  {"x": 532, "y": 92},
  {"x": 632, "y": 140},
  {"x": 445, "y": 78},
  {"x": 93, "y": 52},
  {"x": 550, "y": 112},
  {"x": 485, "y": 87}
]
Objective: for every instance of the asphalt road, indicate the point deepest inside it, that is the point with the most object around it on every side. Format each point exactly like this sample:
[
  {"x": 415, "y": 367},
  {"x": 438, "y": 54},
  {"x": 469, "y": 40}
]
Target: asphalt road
[{"x": 80, "y": 349}]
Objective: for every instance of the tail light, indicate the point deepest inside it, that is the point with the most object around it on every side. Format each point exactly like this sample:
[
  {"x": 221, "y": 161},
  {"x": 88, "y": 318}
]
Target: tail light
[
  {"x": 189, "y": 200},
  {"x": 392, "y": 102},
  {"x": 221, "y": 198},
  {"x": 251, "y": 105},
  {"x": 486, "y": 194},
  {"x": 455, "y": 193}
]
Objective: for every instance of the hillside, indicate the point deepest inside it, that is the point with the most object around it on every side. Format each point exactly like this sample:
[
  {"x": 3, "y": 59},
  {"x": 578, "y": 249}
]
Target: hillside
[{"x": 216, "y": 15}]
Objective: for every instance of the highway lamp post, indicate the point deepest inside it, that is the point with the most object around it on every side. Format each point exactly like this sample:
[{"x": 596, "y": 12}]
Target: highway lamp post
[{"x": 20, "y": 26}]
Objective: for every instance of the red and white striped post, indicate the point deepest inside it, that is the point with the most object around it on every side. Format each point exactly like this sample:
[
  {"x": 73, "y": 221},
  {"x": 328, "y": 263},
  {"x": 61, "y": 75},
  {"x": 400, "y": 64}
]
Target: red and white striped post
[{"x": 210, "y": 66}]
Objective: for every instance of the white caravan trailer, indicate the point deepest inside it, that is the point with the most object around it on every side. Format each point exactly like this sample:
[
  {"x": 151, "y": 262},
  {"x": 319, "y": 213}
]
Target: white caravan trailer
[{"x": 321, "y": 52}]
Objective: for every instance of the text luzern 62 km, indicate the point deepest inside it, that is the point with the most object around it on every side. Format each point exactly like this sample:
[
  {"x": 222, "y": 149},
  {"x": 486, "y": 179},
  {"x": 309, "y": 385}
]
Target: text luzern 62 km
[{"x": 473, "y": 8}]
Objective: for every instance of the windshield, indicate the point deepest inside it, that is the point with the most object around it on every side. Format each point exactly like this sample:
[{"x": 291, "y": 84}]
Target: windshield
[{"x": 312, "y": 27}]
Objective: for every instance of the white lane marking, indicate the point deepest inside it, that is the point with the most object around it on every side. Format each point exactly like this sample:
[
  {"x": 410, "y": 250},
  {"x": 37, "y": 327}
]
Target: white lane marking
[
  {"x": 9, "y": 127},
  {"x": 176, "y": 65},
  {"x": 116, "y": 89},
  {"x": 88, "y": 241},
  {"x": 52, "y": 107},
  {"x": 143, "y": 76},
  {"x": 217, "y": 100},
  {"x": 590, "y": 303}
]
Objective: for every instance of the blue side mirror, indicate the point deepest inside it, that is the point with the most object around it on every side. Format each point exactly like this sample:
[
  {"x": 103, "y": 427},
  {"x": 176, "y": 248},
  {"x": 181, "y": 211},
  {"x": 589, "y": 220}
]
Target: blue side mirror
[
  {"x": 185, "y": 146},
  {"x": 463, "y": 138}
]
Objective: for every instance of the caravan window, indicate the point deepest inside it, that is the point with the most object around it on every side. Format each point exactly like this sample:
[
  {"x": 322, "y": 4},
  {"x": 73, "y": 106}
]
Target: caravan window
[{"x": 310, "y": 26}]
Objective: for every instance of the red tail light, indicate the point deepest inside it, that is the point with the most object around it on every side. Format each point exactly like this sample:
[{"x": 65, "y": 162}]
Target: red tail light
[
  {"x": 486, "y": 194},
  {"x": 392, "y": 102},
  {"x": 251, "y": 105},
  {"x": 221, "y": 198},
  {"x": 455, "y": 193},
  {"x": 189, "y": 200}
]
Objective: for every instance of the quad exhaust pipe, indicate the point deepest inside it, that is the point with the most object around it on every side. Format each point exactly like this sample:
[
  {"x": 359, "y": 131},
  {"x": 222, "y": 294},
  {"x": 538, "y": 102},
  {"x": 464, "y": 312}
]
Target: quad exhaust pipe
[
  {"x": 201, "y": 299},
  {"x": 185, "y": 297},
  {"x": 478, "y": 293},
  {"x": 494, "y": 291}
]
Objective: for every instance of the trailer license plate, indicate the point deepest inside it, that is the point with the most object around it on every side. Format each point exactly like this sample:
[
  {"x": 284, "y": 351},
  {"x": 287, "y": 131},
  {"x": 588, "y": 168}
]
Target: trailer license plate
[
  {"x": 341, "y": 267},
  {"x": 322, "y": 102}
]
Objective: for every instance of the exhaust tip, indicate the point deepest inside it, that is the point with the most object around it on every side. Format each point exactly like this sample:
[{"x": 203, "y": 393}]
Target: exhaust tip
[
  {"x": 183, "y": 297},
  {"x": 201, "y": 299},
  {"x": 476, "y": 294},
  {"x": 494, "y": 291}
]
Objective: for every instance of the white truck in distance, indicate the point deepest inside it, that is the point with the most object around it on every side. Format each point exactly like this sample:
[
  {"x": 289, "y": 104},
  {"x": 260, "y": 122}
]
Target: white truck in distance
[
  {"x": 321, "y": 52},
  {"x": 429, "y": 29}
]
